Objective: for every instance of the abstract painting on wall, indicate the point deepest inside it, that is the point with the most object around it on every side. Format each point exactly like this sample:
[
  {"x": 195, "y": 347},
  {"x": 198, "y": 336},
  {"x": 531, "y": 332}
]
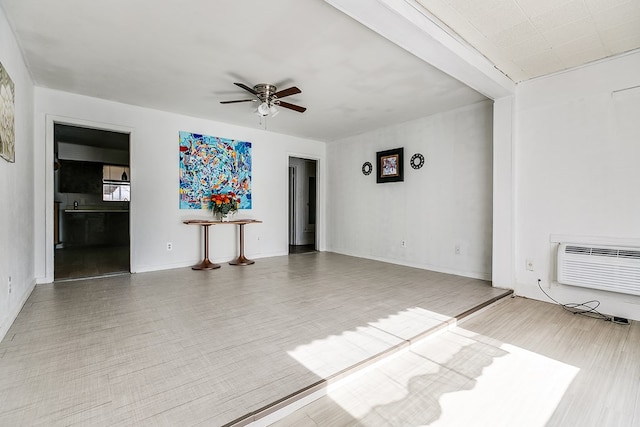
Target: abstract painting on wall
[
  {"x": 7, "y": 108},
  {"x": 213, "y": 165}
]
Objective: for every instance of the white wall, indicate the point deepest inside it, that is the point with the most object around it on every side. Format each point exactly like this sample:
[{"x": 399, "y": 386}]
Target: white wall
[
  {"x": 446, "y": 203},
  {"x": 577, "y": 171},
  {"x": 16, "y": 189},
  {"x": 155, "y": 216}
]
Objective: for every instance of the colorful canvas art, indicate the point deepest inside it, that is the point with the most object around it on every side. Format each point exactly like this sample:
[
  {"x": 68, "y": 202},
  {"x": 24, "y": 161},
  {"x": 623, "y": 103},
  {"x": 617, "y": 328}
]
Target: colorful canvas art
[{"x": 210, "y": 165}]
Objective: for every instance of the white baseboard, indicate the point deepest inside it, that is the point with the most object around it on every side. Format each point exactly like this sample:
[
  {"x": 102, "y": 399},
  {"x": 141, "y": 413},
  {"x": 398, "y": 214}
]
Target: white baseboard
[
  {"x": 13, "y": 313},
  {"x": 471, "y": 274},
  {"x": 183, "y": 264}
]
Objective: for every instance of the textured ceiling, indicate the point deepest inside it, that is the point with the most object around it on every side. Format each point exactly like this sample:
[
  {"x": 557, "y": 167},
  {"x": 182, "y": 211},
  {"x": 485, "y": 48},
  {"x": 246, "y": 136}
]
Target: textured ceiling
[
  {"x": 531, "y": 38},
  {"x": 184, "y": 57}
]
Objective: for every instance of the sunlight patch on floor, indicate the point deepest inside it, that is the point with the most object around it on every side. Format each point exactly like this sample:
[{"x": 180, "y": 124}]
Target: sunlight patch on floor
[
  {"x": 330, "y": 355},
  {"x": 455, "y": 379},
  {"x": 411, "y": 322},
  {"x": 519, "y": 388}
]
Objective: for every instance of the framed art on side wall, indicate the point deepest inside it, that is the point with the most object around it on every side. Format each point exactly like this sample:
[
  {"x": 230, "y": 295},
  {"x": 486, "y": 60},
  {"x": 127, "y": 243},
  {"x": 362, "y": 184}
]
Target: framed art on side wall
[
  {"x": 7, "y": 108},
  {"x": 390, "y": 165}
]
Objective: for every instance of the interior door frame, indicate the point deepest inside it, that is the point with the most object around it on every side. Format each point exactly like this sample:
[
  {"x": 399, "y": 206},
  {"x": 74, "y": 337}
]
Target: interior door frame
[
  {"x": 319, "y": 216},
  {"x": 292, "y": 202},
  {"x": 50, "y": 122}
]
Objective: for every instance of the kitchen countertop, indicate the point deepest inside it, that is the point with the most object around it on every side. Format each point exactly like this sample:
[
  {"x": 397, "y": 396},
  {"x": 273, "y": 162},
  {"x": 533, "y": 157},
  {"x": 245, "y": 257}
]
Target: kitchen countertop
[{"x": 95, "y": 210}]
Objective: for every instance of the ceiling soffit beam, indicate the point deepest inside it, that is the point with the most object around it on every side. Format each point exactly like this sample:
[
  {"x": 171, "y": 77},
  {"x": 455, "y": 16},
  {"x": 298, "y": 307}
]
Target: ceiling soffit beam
[{"x": 403, "y": 23}]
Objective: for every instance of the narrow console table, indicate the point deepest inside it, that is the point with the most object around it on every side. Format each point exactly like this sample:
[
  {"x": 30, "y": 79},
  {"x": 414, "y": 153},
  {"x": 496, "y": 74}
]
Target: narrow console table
[{"x": 208, "y": 265}]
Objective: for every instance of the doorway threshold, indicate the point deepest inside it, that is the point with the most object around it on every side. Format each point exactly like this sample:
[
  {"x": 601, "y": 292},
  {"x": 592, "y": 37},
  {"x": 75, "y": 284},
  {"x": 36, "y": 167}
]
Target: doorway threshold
[{"x": 101, "y": 276}]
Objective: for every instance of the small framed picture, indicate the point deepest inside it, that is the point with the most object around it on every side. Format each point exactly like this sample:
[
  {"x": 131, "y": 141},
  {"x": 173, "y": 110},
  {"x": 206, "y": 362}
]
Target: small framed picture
[{"x": 390, "y": 165}]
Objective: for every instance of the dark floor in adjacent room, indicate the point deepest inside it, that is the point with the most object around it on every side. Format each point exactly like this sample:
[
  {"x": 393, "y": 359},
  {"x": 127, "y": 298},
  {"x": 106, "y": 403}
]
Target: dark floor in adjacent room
[
  {"x": 301, "y": 249},
  {"x": 90, "y": 261}
]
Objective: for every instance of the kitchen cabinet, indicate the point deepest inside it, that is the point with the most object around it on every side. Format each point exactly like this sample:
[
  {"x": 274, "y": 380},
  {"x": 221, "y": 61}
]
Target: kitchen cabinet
[{"x": 94, "y": 228}]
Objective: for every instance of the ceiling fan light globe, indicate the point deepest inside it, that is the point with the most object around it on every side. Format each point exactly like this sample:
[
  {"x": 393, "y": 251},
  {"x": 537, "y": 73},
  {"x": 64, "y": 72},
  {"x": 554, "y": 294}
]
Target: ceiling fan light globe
[
  {"x": 273, "y": 110},
  {"x": 263, "y": 109}
]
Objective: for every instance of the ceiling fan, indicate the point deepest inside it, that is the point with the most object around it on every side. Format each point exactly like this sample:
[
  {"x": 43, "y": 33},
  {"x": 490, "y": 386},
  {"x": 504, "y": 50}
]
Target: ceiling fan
[{"x": 269, "y": 98}]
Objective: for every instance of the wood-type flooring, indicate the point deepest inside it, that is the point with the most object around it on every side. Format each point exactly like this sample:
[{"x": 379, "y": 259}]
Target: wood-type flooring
[
  {"x": 184, "y": 347},
  {"x": 518, "y": 362}
]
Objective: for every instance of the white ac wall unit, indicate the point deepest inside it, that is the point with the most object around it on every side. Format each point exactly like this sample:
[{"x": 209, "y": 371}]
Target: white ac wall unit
[{"x": 609, "y": 268}]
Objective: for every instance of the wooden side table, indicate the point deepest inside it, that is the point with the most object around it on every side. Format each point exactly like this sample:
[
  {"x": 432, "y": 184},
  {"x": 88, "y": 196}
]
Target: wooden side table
[{"x": 240, "y": 260}]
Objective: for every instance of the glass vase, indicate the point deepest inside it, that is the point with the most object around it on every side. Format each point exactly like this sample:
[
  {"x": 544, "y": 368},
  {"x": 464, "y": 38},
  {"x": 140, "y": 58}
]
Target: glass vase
[{"x": 227, "y": 217}]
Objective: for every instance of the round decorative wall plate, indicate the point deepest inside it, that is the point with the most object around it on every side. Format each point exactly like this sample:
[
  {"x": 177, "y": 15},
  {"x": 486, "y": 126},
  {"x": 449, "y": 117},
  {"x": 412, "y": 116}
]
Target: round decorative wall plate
[
  {"x": 367, "y": 168},
  {"x": 417, "y": 161}
]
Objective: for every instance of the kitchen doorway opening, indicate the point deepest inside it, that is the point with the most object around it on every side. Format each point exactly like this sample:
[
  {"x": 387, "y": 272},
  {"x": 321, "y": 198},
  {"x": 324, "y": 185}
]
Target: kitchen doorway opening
[{"x": 92, "y": 193}]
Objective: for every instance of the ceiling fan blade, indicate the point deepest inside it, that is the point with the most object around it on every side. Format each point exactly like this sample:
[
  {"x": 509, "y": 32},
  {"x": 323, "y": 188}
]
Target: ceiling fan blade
[
  {"x": 294, "y": 107},
  {"x": 247, "y": 88},
  {"x": 287, "y": 92},
  {"x": 239, "y": 100}
]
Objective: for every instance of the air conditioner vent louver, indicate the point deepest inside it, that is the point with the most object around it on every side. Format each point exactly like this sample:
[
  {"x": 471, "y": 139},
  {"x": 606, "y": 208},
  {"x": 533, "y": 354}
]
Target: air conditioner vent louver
[
  {"x": 615, "y": 269},
  {"x": 577, "y": 250},
  {"x": 604, "y": 252},
  {"x": 629, "y": 254}
]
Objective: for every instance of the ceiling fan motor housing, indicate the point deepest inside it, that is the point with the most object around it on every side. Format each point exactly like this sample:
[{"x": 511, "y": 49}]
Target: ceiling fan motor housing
[
  {"x": 269, "y": 97},
  {"x": 265, "y": 91}
]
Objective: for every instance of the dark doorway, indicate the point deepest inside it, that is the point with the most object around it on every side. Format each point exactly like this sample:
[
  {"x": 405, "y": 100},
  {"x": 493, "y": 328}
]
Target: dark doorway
[
  {"x": 92, "y": 194},
  {"x": 302, "y": 205}
]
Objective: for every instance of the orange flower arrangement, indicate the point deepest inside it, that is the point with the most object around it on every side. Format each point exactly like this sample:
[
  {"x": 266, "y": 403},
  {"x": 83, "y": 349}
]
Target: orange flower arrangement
[{"x": 224, "y": 203}]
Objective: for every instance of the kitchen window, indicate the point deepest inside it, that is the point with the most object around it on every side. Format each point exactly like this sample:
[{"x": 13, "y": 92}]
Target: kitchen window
[{"x": 115, "y": 183}]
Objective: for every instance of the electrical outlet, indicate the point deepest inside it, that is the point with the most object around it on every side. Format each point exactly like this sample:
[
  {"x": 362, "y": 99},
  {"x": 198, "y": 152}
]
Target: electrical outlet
[
  {"x": 457, "y": 249},
  {"x": 530, "y": 265},
  {"x": 9, "y": 284},
  {"x": 403, "y": 243},
  {"x": 169, "y": 246}
]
